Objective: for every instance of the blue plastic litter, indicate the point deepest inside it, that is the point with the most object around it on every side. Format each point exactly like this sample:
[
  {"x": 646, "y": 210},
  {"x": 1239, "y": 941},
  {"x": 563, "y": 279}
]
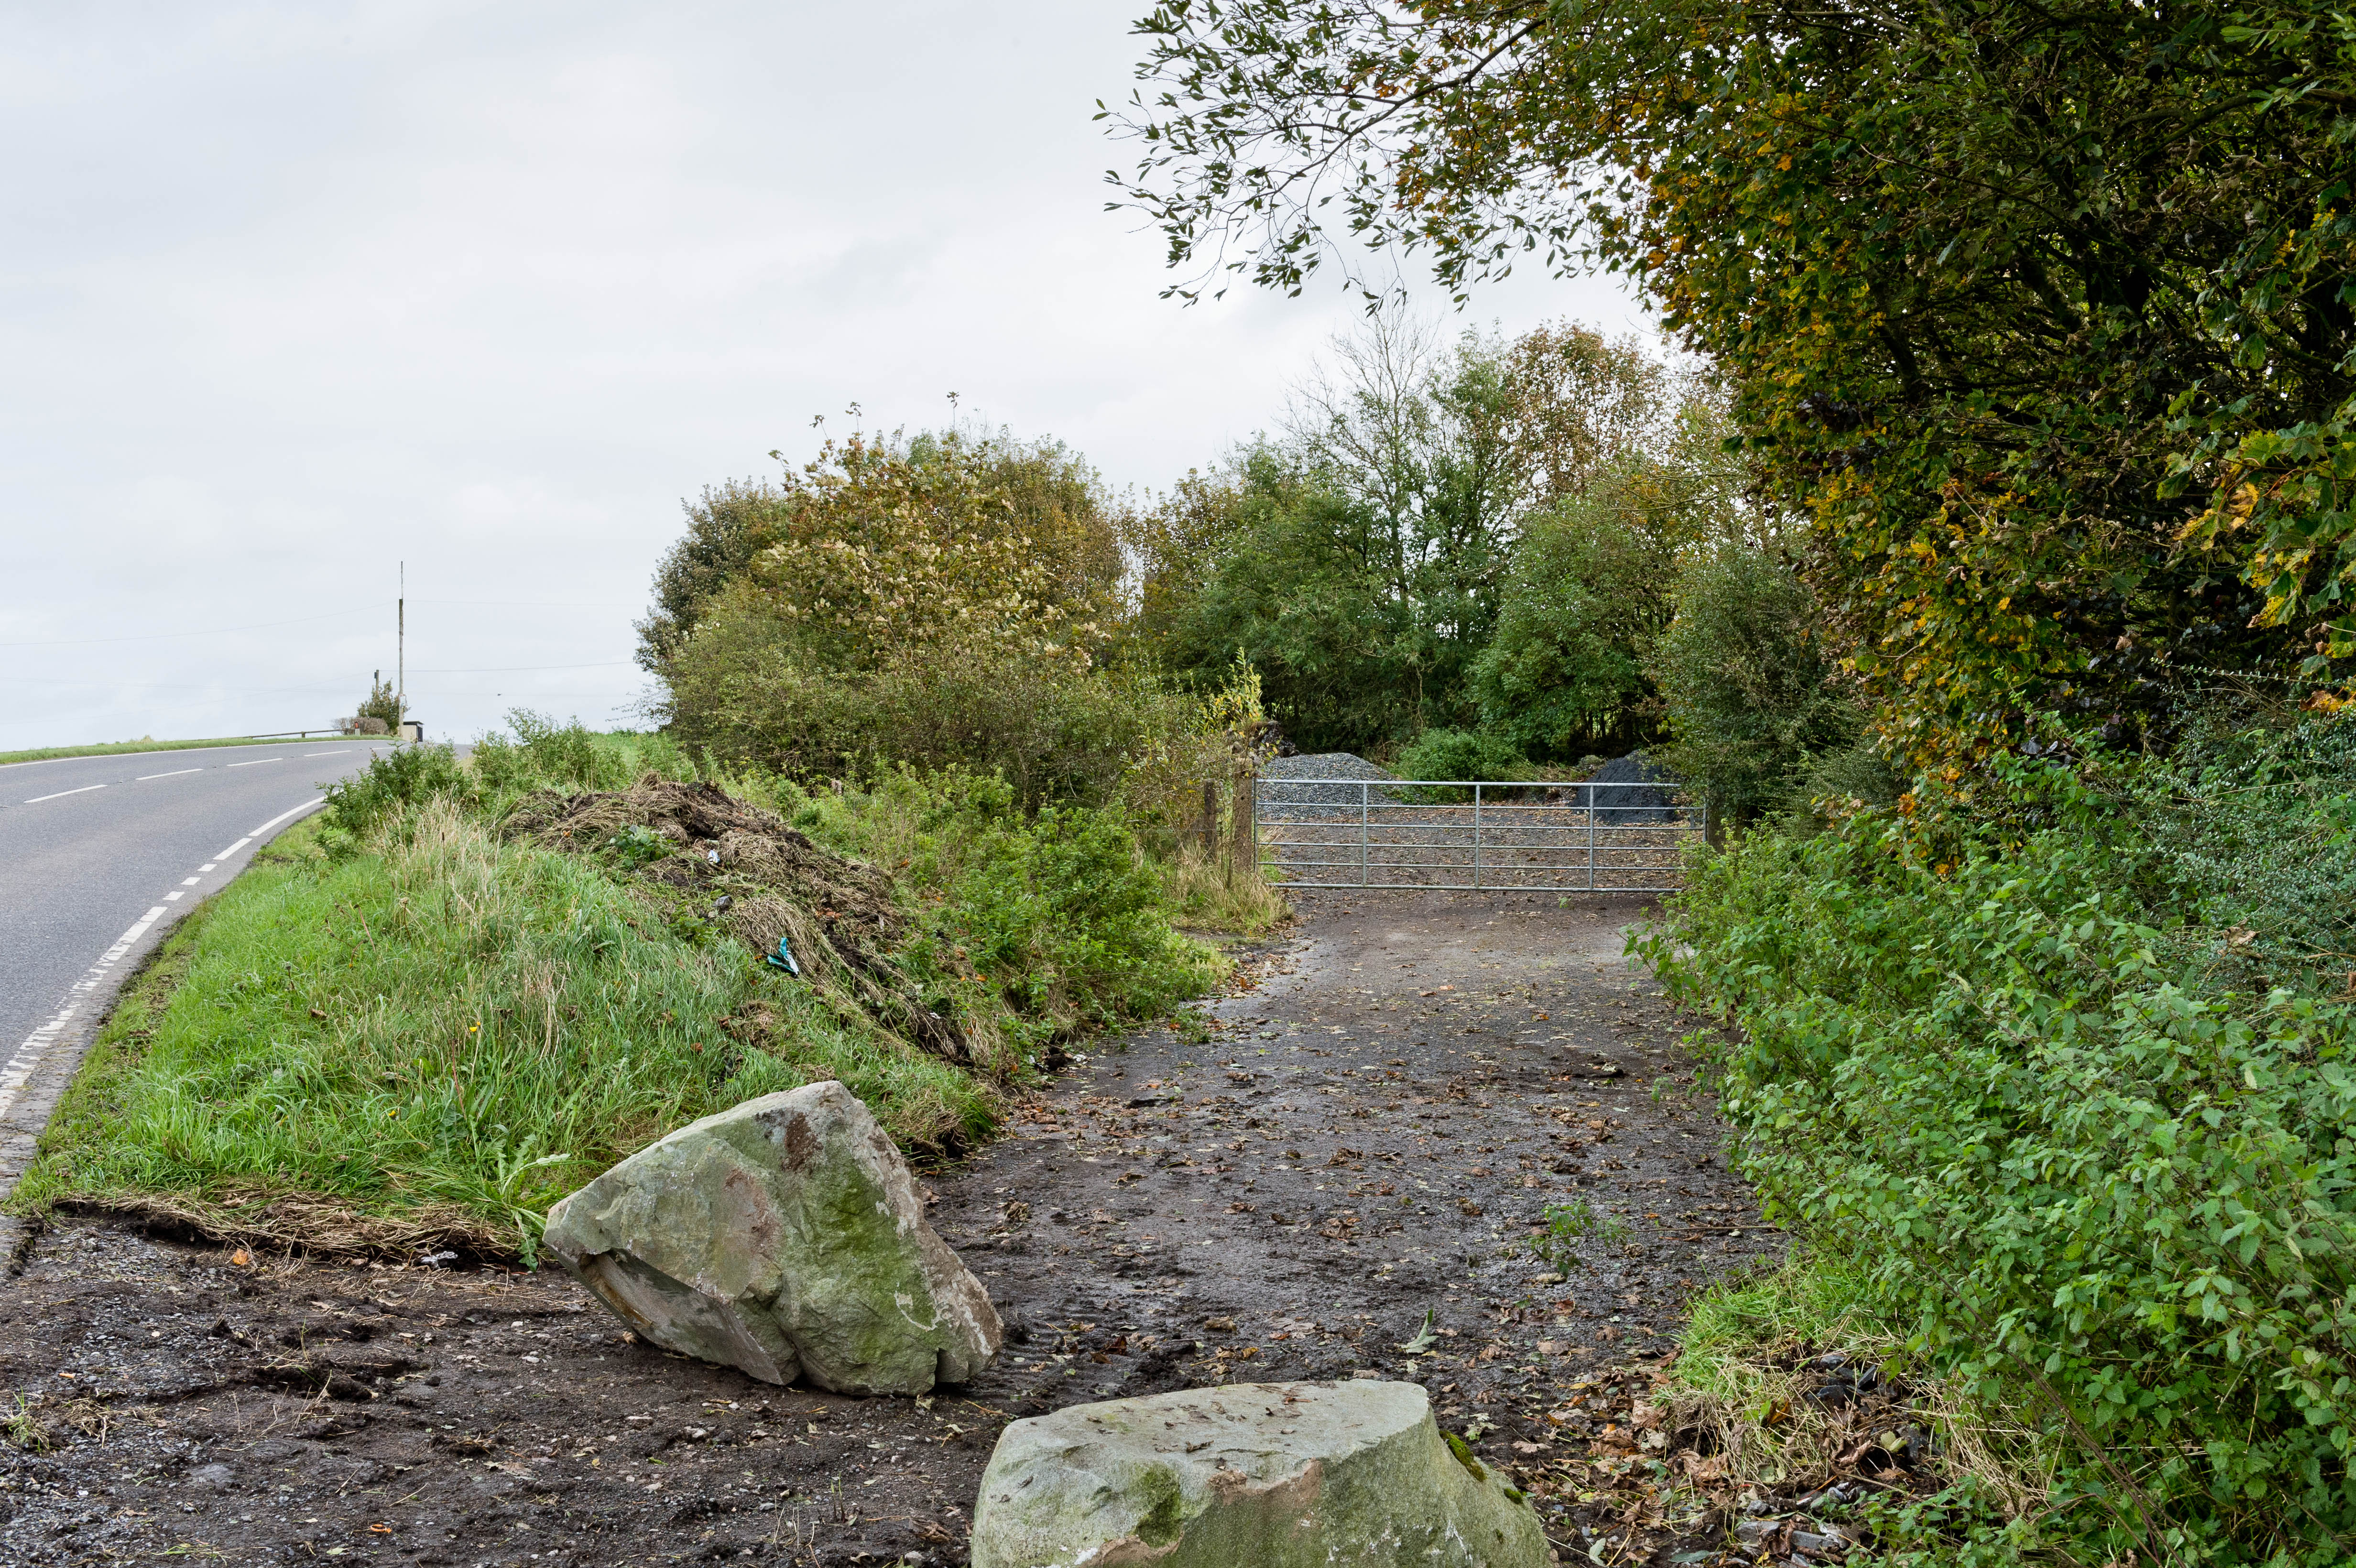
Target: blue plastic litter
[{"x": 783, "y": 958}]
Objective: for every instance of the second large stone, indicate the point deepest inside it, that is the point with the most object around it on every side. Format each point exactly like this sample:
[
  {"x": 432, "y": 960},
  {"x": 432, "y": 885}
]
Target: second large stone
[
  {"x": 785, "y": 1237},
  {"x": 1250, "y": 1476}
]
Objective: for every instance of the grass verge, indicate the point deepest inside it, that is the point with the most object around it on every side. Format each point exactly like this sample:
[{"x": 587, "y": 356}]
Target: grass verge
[
  {"x": 427, "y": 1043},
  {"x": 120, "y": 748},
  {"x": 411, "y": 1024}
]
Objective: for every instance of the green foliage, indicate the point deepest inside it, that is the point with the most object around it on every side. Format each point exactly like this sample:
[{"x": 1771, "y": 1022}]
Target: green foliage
[
  {"x": 544, "y": 754},
  {"x": 2004, "y": 1035},
  {"x": 394, "y": 779},
  {"x": 441, "y": 1030},
  {"x": 1749, "y": 688},
  {"x": 724, "y": 528},
  {"x": 1569, "y": 1225},
  {"x": 381, "y": 703},
  {"x": 1058, "y": 911},
  {"x": 937, "y": 601},
  {"x": 1565, "y": 673},
  {"x": 1471, "y": 754},
  {"x": 1298, "y": 592},
  {"x": 2003, "y": 295},
  {"x": 1359, "y": 560}
]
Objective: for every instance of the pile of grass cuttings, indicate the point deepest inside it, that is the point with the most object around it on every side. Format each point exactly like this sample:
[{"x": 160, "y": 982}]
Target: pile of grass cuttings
[{"x": 697, "y": 848}]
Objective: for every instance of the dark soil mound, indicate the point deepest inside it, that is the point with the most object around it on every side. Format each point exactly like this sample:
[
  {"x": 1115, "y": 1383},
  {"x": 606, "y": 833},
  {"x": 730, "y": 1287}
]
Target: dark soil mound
[{"x": 704, "y": 851}]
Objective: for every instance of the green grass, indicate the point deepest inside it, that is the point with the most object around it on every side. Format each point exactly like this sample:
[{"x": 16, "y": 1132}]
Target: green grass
[
  {"x": 116, "y": 748},
  {"x": 1742, "y": 1374},
  {"x": 428, "y": 1042}
]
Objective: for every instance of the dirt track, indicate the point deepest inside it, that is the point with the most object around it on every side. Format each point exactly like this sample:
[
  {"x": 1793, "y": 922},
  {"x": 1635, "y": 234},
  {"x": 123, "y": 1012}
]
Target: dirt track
[{"x": 1364, "y": 1133}]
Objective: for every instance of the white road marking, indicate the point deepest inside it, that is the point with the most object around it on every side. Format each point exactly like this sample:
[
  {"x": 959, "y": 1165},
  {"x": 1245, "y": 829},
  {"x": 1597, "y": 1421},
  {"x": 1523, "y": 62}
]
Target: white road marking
[
  {"x": 63, "y": 793},
  {"x": 255, "y": 764},
  {"x": 337, "y": 753},
  {"x": 307, "y": 806},
  {"x": 175, "y": 772},
  {"x": 20, "y": 1067},
  {"x": 192, "y": 881},
  {"x": 19, "y": 1070}
]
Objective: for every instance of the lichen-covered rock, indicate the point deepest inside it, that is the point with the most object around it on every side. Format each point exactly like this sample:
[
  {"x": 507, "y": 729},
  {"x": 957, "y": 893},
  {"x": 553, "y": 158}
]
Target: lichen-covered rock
[
  {"x": 785, "y": 1237},
  {"x": 1269, "y": 1475}
]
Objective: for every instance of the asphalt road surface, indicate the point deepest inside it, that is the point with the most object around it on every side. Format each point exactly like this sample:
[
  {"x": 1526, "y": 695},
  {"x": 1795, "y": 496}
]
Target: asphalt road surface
[{"x": 98, "y": 857}]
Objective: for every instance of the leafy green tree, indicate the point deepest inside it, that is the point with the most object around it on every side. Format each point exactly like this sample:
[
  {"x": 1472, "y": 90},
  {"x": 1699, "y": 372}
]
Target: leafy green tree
[
  {"x": 1565, "y": 673},
  {"x": 2037, "y": 316},
  {"x": 724, "y": 526},
  {"x": 1754, "y": 699},
  {"x": 1360, "y": 558}
]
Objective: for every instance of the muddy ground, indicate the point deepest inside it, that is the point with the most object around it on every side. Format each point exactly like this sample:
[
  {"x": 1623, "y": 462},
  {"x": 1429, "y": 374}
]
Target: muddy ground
[{"x": 1358, "y": 1141}]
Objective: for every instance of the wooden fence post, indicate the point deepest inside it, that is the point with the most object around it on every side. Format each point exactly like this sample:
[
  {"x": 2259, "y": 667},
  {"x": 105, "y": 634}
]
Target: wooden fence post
[{"x": 1244, "y": 824}]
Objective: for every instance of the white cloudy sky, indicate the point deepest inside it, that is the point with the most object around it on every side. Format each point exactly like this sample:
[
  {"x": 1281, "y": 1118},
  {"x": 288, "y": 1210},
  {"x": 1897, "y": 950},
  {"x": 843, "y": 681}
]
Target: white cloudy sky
[{"x": 291, "y": 294}]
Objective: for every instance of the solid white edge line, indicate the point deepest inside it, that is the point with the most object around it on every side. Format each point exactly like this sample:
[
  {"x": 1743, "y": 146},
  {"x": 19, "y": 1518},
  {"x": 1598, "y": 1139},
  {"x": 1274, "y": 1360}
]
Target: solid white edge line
[
  {"x": 63, "y": 793},
  {"x": 18, "y": 1071},
  {"x": 234, "y": 847},
  {"x": 175, "y": 772},
  {"x": 307, "y": 806}
]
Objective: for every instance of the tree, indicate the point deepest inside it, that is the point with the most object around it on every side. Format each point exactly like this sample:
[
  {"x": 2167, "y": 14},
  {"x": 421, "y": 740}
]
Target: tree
[
  {"x": 1358, "y": 560},
  {"x": 382, "y": 704},
  {"x": 2036, "y": 315},
  {"x": 723, "y": 529}
]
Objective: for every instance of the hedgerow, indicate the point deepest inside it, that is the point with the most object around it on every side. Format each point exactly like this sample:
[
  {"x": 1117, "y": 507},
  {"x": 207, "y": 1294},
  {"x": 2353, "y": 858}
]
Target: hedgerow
[{"x": 2012, "y": 1074}]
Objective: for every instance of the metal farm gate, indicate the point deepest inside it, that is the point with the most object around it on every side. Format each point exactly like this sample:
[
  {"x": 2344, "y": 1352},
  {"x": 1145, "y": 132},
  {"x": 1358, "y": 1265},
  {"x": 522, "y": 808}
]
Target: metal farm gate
[{"x": 1461, "y": 834}]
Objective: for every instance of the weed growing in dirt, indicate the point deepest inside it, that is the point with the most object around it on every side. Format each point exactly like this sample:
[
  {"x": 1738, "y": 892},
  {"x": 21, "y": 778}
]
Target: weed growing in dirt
[
  {"x": 21, "y": 1428},
  {"x": 1570, "y": 1225}
]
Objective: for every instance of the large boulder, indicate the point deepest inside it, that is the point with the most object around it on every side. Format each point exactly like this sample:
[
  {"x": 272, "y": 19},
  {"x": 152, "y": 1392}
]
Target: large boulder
[
  {"x": 1273, "y": 1475},
  {"x": 785, "y": 1237}
]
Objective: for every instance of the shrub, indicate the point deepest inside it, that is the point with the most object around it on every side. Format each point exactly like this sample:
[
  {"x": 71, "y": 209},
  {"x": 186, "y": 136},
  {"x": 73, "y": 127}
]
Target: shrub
[
  {"x": 545, "y": 755},
  {"x": 405, "y": 776},
  {"x": 1751, "y": 689},
  {"x": 1973, "y": 1068},
  {"x": 1061, "y": 911},
  {"x": 1472, "y": 754}
]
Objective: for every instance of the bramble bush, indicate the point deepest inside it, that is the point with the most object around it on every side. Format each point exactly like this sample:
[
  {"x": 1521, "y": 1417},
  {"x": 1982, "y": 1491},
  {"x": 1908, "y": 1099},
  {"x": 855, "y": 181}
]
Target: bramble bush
[{"x": 1992, "y": 1068}]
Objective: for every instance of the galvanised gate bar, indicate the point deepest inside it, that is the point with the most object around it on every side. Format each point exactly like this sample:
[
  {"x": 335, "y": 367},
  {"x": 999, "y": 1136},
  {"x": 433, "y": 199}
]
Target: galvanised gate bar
[{"x": 1468, "y": 834}]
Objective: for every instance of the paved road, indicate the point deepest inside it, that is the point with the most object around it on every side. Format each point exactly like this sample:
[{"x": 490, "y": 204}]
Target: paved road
[{"x": 98, "y": 857}]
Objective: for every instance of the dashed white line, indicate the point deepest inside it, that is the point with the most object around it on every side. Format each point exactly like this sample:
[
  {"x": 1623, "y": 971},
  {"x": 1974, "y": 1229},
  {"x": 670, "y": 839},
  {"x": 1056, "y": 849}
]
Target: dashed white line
[
  {"x": 63, "y": 793},
  {"x": 175, "y": 772},
  {"x": 255, "y": 764},
  {"x": 19, "y": 1069},
  {"x": 337, "y": 753}
]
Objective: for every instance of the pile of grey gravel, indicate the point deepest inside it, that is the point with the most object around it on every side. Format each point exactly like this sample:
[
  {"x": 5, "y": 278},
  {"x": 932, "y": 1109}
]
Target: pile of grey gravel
[{"x": 1289, "y": 789}]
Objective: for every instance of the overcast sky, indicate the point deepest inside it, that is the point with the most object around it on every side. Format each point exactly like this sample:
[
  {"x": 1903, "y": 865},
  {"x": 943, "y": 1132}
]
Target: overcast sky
[{"x": 293, "y": 294}]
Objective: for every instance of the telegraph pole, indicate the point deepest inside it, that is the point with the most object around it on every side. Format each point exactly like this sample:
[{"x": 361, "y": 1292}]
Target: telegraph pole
[{"x": 401, "y": 648}]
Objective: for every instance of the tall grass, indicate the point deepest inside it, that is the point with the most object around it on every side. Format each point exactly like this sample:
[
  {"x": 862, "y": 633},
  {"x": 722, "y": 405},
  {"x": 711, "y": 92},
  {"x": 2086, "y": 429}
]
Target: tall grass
[{"x": 436, "y": 1038}]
